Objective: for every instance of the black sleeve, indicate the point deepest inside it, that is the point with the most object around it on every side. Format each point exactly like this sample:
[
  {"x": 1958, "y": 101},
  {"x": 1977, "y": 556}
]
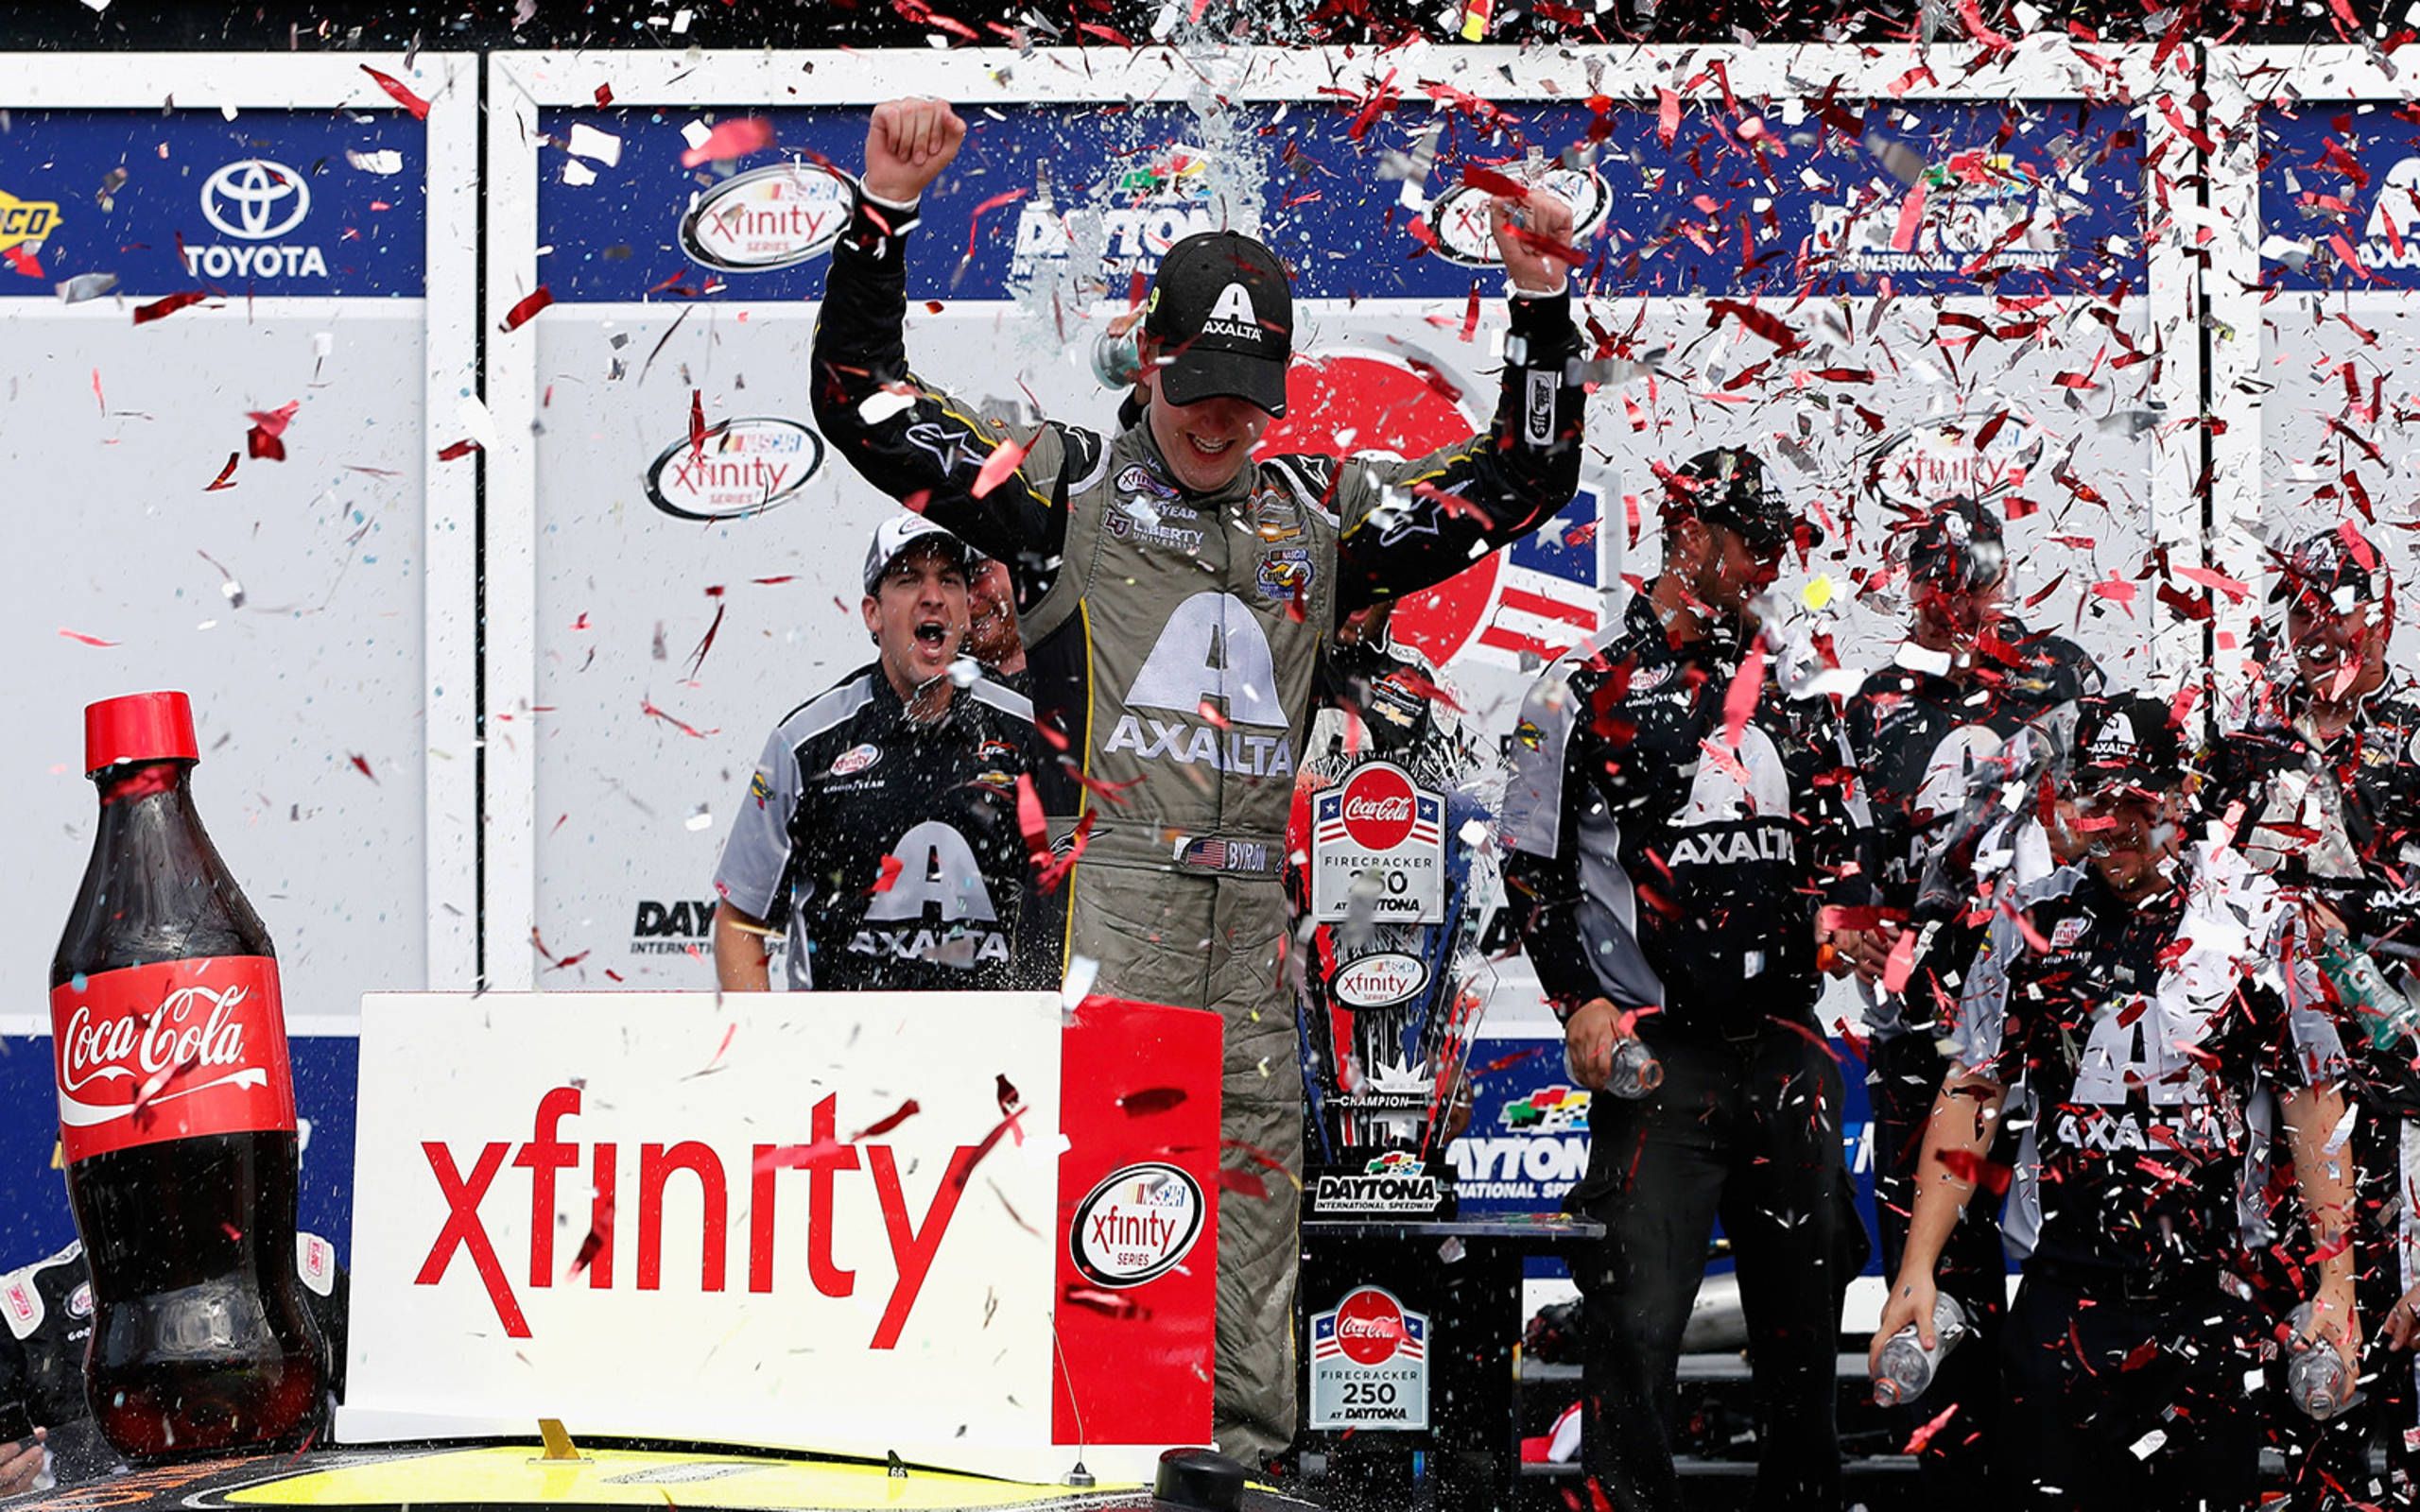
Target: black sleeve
[
  {"x": 1409, "y": 525},
  {"x": 916, "y": 442}
]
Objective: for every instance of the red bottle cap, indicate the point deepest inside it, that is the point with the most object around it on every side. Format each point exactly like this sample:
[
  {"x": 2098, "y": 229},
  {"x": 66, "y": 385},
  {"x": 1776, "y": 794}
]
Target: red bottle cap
[{"x": 141, "y": 727}]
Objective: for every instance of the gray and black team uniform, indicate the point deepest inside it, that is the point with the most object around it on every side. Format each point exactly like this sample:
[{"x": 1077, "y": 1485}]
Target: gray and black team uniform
[
  {"x": 1929, "y": 746},
  {"x": 48, "y": 1308},
  {"x": 1172, "y": 638},
  {"x": 1675, "y": 874},
  {"x": 888, "y": 847},
  {"x": 2138, "y": 1076},
  {"x": 2339, "y": 822}
]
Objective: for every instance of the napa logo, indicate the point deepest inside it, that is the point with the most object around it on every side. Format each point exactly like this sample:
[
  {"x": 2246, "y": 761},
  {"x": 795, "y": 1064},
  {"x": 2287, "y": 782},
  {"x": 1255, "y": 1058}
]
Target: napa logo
[{"x": 1548, "y": 1111}]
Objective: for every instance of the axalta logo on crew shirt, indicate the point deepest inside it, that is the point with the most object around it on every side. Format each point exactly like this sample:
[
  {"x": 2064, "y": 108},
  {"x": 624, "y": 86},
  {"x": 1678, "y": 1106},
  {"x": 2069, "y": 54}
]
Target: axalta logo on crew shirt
[
  {"x": 932, "y": 903},
  {"x": 258, "y": 201},
  {"x": 1747, "y": 787},
  {"x": 1212, "y": 652}
]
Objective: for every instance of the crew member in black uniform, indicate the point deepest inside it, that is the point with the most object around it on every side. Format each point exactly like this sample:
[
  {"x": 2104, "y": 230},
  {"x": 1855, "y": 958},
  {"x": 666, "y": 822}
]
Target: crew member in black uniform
[
  {"x": 1672, "y": 844},
  {"x": 2140, "y": 1009},
  {"x": 1944, "y": 728},
  {"x": 881, "y": 825},
  {"x": 2323, "y": 784},
  {"x": 48, "y": 1437}
]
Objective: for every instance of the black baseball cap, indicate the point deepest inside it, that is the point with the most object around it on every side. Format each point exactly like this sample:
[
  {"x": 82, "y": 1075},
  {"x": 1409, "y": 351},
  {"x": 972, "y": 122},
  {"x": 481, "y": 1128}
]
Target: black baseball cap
[
  {"x": 2127, "y": 740},
  {"x": 1957, "y": 546},
  {"x": 1224, "y": 314},
  {"x": 2329, "y": 567},
  {"x": 1732, "y": 487}
]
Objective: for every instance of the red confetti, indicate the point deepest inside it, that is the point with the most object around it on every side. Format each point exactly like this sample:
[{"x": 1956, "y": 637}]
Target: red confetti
[
  {"x": 884, "y": 1125},
  {"x": 697, "y": 425},
  {"x": 1150, "y": 1101},
  {"x": 362, "y": 764},
  {"x": 520, "y": 314},
  {"x": 162, "y": 308},
  {"x": 604, "y": 95},
  {"x": 730, "y": 140},
  {"x": 88, "y": 640},
  {"x": 226, "y": 478},
  {"x": 458, "y": 450},
  {"x": 1007, "y": 197},
  {"x": 265, "y": 439},
  {"x": 1005, "y": 459},
  {"x": 401, "y": 96}
]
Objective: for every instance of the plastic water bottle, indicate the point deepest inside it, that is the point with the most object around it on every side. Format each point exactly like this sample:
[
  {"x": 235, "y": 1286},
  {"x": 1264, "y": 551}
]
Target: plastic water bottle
[
  {"x": 1636, "y": 1072},
  {"x": 2318, "y": 1379},
  {"x": 1118, "y": 360},
  {"x": 1905, "y": 1370},
  {"x": 2386, "y": 1013}
]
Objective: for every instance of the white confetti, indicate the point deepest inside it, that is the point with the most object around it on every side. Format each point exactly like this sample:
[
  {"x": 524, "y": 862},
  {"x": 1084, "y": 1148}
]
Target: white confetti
[
  {"x": 386, "y": 159},
  {"x": 695, "y": 132},
  {"x": 601, "y": 146},
  {"x": 476, "y": 419},
  {"x": 86, "y": 286},
  {"x": 883, "y": 403},
  {"x": 578, "y": 174},
  {"x": 1079, "y": 986},
  {"x": 2148, "y": 1444},
  {"x": 702, "y": 820},
  {"x": 964, "y": 671}
]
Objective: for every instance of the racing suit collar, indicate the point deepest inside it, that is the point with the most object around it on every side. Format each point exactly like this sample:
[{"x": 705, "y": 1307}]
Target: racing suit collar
[
  {"x": 892, "y": 710},
  {"x": 1236, "y": 490}
]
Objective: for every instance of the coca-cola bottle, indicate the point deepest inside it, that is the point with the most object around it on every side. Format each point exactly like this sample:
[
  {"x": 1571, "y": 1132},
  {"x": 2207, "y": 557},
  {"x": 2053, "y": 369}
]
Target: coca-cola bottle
[{"x": 176, "y": 1113}]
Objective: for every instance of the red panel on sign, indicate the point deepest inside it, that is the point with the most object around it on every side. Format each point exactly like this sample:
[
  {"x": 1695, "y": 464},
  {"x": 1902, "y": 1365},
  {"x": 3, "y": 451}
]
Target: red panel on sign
[{"x": 1138, "y": 1237}]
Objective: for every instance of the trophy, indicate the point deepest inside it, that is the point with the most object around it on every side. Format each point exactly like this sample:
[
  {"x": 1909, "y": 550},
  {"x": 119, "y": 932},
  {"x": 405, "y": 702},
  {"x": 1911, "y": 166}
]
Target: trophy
[{"x": 1391, "y": 982}]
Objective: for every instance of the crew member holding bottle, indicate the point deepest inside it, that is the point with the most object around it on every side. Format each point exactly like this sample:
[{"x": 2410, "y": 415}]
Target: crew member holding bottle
[
  {"x": 1675, "y": 821},
  {"x": 2141, "y": 1010},
  {"x": 2323, "y": 785}
]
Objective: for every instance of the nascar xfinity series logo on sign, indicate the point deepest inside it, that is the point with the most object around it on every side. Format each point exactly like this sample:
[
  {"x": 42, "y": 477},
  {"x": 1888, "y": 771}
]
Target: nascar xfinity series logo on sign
[
  {"x": 1370, "y": 1364},
  {"x": 737, "y": 468},
  {"x": 1135, "y": 1227},
  {"x": 1378, "y": 844},
  {"x": 768, "y": 218}
]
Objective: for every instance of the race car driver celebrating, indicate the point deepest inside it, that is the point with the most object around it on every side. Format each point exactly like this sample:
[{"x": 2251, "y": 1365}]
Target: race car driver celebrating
[
  {"x": 1671, "y": 841},
  {"x": 1175, "y": 593},
  {"x": 1942, "y": 726},
  {"x": 2327, "y": 787},
  {"x": 2141, "y": 1010},
  {"x": 881, "y": 822}
]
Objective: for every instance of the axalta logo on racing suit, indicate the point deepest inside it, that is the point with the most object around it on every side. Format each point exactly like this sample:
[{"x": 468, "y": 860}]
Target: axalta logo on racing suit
[{"x": 1211, "y": 653}]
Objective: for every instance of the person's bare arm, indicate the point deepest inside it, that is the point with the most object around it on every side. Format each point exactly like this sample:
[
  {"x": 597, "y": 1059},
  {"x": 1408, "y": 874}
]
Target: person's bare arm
[
  {"x": 2311, "y": 1116},
  {"x": 740, "y": 957},
  {"x": 1957, "y": 1136}
]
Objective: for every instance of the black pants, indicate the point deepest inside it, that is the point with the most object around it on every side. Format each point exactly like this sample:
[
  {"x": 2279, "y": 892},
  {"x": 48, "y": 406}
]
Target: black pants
[
  {"x": 1904, "y": 1076},
  {"x": 1749, "y": 1132},
  {"x": 2130, "y": 1404}
]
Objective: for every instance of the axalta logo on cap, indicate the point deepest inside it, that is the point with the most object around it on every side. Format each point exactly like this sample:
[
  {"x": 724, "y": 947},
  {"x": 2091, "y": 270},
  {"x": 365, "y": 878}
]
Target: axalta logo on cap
[
  {"x": 1369, "y": 1326},
  {"x": 1377, "y": 807}
]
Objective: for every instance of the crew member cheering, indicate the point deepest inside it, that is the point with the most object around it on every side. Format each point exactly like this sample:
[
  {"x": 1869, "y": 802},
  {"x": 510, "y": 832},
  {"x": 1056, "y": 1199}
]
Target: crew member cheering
[
  {"x": 1672, "y": 838},
  {"x": 2140, "y": 1010},
  {"x": 881, "y": 823},
  {"x": 1175, "y": 595}
]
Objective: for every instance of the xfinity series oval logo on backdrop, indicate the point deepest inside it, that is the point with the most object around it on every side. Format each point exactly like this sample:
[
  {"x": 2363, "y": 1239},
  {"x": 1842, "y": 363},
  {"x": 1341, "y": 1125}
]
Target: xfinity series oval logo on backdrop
[
  {"x": 1377, "y": 807},
  {"x": 780, "y": 216},
  {"x": 1458, "y": 217},
  {"x": 1374, "y": 981},
  {"x": 1136, "y": 1225},
  {"x": 742, "y": 467},
  {"x": 256, "y": 200}
]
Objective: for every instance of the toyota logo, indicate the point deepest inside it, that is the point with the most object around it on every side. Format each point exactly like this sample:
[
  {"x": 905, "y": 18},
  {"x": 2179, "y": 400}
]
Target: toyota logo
[{"x": 256, "y": 200}]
